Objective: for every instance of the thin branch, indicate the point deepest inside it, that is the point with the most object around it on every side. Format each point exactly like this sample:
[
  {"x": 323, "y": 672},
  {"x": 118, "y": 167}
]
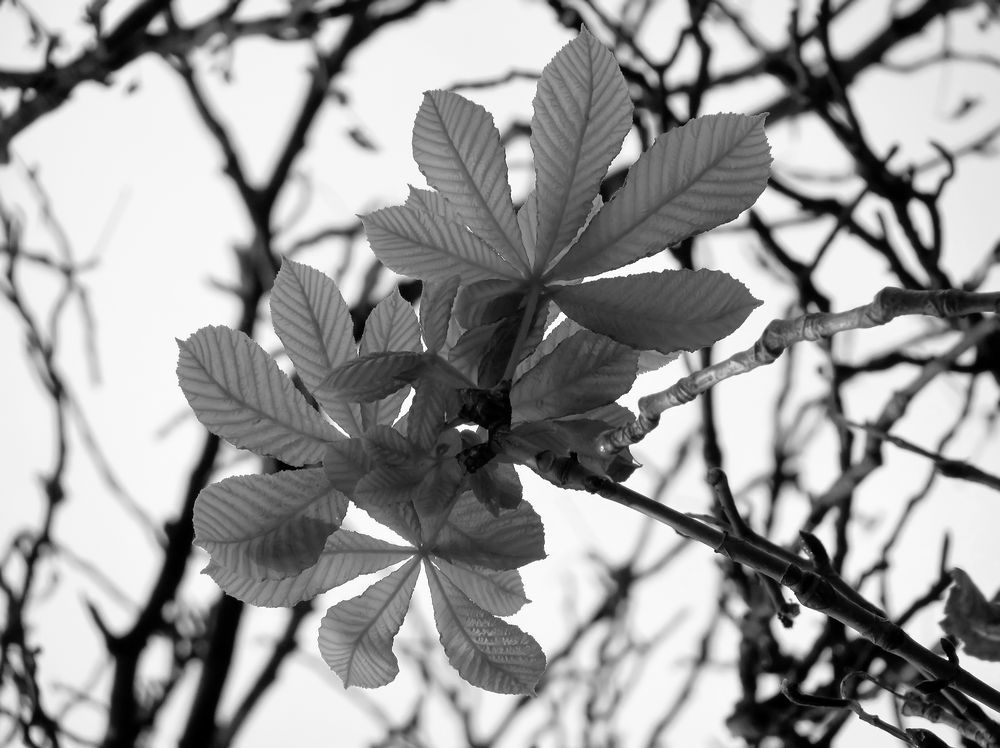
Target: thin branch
[{"x": 780, "y": 334}]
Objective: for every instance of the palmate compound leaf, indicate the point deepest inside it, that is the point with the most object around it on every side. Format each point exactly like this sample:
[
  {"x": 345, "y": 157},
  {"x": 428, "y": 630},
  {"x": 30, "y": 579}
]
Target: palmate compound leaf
[
  {"x": 582, "y": 372},
  {"x": 457, "y": 147},
  {"x": 268, "y": 526},
  {"x": 972, "y": 619},
  {"x": 345, "y": 555},
  {"x": 314, "y": 325},
  {"x": 486, "y": 651},
  {"x": 582, "y": 113},
  {"x": 667, "y": 311},
  {"x": 498, "y": 592},
  {"x": 355, "y": 636},
  {"x": 238, "y": 392},
  {"x": 693, "y": 178}
]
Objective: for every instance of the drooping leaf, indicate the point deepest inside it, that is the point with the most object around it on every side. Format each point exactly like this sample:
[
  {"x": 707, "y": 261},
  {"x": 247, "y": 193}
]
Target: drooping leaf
[
  {"x": 486, "y": 651},
  {"x": 496, "y": 486},
  {"x": 392, "y": 326},
  {"x": 583, "y": 372},
  {"x": 473, "y": 535},
  {"x": 414, "y": 243},
  {"x": 371, "y": 377},
  {"x": 582, "y": 113},
  {"x": 498, "y": 592},
  {"x": 314, "y": 325},
  {"x": 693, "y": 178},
  {"x": 356, "y": 635},
  {"x": 345, "y": 556},
  {"x": 487, "y": 301},
  {"x": 345, "y": 463},
  {"x": 457, "y": 147},
  {"x": 972, "y": 619},
  {"x": 435, "y": 311},
  {"x": 268, "y": 526},
  {"x": 238, "y": 392},
  {"x": 667, "y": 311}
]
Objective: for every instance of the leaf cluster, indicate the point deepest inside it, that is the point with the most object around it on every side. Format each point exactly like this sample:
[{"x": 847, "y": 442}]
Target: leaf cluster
[{"x": 511, "y": 346}]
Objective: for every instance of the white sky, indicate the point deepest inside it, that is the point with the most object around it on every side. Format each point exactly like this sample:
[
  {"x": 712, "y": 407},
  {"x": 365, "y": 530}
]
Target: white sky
[{"x": 134, "y": 179}]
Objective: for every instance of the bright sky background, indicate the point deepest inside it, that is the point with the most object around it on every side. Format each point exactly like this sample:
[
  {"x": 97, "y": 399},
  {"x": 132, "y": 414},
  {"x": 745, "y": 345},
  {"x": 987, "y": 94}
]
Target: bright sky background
[{"x": 136, "y": 182}]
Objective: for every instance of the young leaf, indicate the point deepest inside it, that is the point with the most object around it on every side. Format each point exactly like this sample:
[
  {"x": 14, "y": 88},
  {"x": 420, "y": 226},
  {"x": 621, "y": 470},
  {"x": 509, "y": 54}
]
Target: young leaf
[
  {"x": 412, "y": 242},
  {"x": 345, "y": 556},
  {"x": 392, "y": 326},
  {"x": 390, "y": 485},
  {"x": 473, "y": 535},
  {"x": 314, "y": 325},
  {"x": 583, "y": 372},
  {"x": 355, "y": 636},
  {"x": 692, "y": 179},
  {"x": 238, "y": 392},
  {"x": 370, "y": 377},
  {"x": 345, "y": 463},
  {"x": 497, "y": 487},
  {"x": 487, "y": 301},
  {"x": 498, "y": 592},
  {"x": 582, "y": 113},
  {"x": 972, "y": 619},
  {"x": 486, "y": 651},
  {"x": 435, "y": 311},
  {"x": 457, "y": 148},
  {"x": 666, "y": 311},
  {"x": 268, "y": 526}
]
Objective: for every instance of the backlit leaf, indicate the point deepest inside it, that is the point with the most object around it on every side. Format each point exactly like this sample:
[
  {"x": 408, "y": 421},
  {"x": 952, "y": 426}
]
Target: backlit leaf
[
  {"x": 487, "y": 301},
  {"x": 433, "y": 204},
  {"x": 667, "y": 311},
  {"x": 972, "y": 619},
  {"x": 692, "y": 179},
  {"x": 583, "y": 372},
  {"x": 345, "y": 556},
  {"x": 345, "y": 463},
  {"x": 496, "y": 486},
  {"x": 457, "y": 147},
  {"x": 435, "y": 311},
  {"x": 414, "y": 243},
  {"x": 473, "y": 535},
  {"x": 486, "y": 651},
  {"x": 314, "y": 325},
  {"x": 392, "y": 326},
  {"x": 268, "y": 526},
  {"x": 355, "y": 636},
  {"x": 238, "y": 392},
  {"x": 498, "y": 592},
  {"x": 582, "y": 113},
  {"x": 370, "y": 377}
]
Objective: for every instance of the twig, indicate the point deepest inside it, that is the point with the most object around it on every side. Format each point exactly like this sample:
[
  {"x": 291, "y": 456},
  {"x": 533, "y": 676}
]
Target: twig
[{"x": 780, "y": 334}]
